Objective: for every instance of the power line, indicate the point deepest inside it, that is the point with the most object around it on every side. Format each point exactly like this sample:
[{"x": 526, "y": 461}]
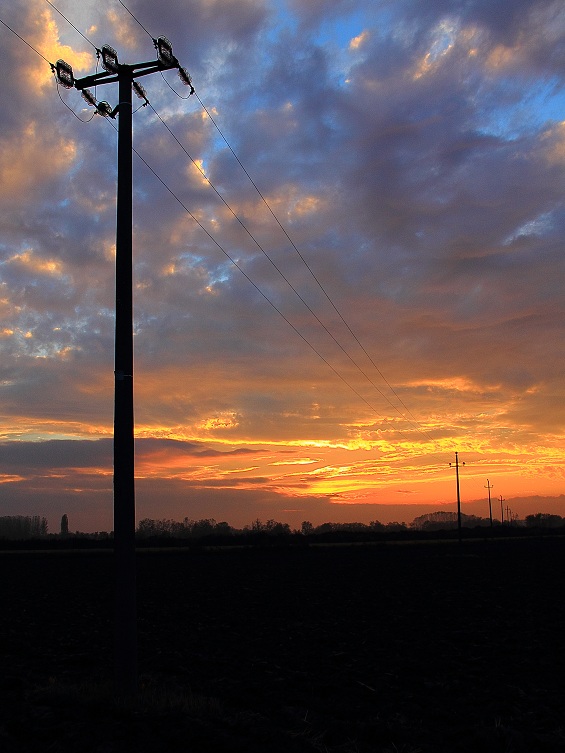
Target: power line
[
  {"x": 136, "y": 19},
  {"x": 71, "y": 109},
  {"x": 296, "y": 292},
  {"x": 231, "y": 259},
  {"x": 86, "y": 39},
  {"x": 275, "y": 266},
  {"x": 248, "y": 278},
  {"x": 258, "y": 289},
  {"x": 28, "y": 44},
  {"x": 301, "y": 256},
  {"x": 51, "y": 65},
  {"x": 48, "y": 63},
  {"x": 262, "y": 197},
  {"x": 282, "y": 228},
  {"x": 345, "y": 381},
  {"x": 175, "y": 91},
  {"x": 297, "y": 250}
]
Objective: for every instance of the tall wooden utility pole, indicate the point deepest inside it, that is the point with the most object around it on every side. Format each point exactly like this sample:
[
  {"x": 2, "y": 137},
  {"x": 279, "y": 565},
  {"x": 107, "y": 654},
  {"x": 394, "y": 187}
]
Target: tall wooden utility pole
[{"x": 126, "y": 673}]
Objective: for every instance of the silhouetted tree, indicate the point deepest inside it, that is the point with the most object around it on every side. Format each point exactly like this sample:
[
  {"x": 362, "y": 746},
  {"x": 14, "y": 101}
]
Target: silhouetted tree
[
  {"x": 270, "y": 528},
  {"x": 150, "y": 528},
  {"x": 395, "y": 526},
  {"x": 325, "y": 528},
  {"x": 376, "y": 525},
  {"x": 274, "y": 528},
  {"x": 435, "y": 521},
  {"x": 444, "y": 521},
  {"x": 223, "y": 529},
  {"x": 204, "y": 527},
  {"x": 544, "y": 520},
  {"x": 64, "y": 525},
  {"x": 187, "y": 529}
]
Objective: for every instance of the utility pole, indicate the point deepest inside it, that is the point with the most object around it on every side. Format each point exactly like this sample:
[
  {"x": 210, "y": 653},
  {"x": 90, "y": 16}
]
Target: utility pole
[
  {"x": 501, "y": 510},
  {"x": 126, "y": 673},
  {"x": 489, "y": 486},
  {"x": 458, "y": 495}
]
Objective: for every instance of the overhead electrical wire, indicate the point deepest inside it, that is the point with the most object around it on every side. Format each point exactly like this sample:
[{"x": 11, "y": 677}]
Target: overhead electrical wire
[
  {"x": 233, "y": 261},
  {"x": 222, "y": 249},
  {"x": 275, "y": 266},
  {"x": 244, "y": 273},
  {"x": 136, "y": 19},
  {"x": 257, "y": 243},
  {"x": 25, "y": 42},
  {"x": 298, "y": 252},
  {"x": 48, "y": 63},
  {"x": 86, "y": 120},
  {"x": 308, "y": 267},
  {"x": 238, "y": 219},
  {"x": 312, "y": 312},
  {"x": 281, "y": 226},
  {"x": 86, "y": 39}
]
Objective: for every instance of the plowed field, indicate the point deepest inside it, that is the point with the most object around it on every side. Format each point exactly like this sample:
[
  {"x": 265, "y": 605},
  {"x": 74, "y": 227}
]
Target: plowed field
[{"x": 394, "y": 648}]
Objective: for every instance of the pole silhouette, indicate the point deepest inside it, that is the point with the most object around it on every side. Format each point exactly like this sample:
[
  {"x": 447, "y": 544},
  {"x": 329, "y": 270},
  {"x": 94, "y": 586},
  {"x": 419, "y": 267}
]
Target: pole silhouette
[
  {"x": 458, "y": 496},
  {"x": 124, "y": 454},
  {"x": 489, "y": 486},
  {"x": 501, "y": 510},
  {"x": 125, "y": 632}
]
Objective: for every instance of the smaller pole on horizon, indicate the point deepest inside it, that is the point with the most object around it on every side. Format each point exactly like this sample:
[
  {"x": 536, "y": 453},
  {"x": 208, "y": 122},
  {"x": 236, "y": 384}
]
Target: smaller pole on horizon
[
  {"x": 489, "y": 486},
  {"x": 501, "y": 510},
  {"x": 458, "y": 495}
]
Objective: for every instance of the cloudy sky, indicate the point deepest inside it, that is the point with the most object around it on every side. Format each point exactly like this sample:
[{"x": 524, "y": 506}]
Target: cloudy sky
[{"x": 317, "y": 342}]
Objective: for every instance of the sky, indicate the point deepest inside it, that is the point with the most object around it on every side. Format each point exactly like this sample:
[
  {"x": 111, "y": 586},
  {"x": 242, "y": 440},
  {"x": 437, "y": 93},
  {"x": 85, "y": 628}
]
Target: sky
[{"x": 348, "y": 260}]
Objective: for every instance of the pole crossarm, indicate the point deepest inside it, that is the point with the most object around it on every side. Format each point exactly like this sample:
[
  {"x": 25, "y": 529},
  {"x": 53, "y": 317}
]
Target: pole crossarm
[{"x": 133, "y": 71}]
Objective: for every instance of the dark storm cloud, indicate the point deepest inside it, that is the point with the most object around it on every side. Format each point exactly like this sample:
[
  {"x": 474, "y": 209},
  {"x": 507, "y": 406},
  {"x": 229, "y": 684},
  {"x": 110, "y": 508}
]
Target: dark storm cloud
[
  {"x": 56, "y": 454},
  {"x": 75, "y": 453}
]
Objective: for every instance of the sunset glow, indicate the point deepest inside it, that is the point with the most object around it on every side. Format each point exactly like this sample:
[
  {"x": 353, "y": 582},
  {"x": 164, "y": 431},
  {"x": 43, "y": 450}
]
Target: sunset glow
[{"x": 380, "y": 286}]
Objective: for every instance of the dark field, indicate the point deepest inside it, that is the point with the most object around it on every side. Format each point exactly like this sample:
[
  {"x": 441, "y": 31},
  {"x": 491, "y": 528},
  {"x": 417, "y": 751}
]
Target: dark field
[{"x": 397, "y": 648}]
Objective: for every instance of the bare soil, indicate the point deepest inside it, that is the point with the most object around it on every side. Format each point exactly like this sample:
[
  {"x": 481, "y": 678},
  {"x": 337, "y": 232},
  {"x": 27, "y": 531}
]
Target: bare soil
[{"x": 387, "y": 648}]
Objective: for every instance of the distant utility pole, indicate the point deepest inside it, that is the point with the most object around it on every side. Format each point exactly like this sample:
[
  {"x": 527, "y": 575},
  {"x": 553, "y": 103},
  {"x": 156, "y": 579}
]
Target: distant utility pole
[
  {"x": 501, "y": 510},
  {"x": 489, "y": 486},
  {"x": 124, "y": 480},
  {"x": 456, "y": 464}
]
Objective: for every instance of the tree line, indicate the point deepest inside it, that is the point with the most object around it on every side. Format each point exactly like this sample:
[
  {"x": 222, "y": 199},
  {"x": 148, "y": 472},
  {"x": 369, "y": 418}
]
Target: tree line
[
  {"x": 27, "y": 527},
  {"x": 437, "y": 521},
  {"x": 193, "y": 529},
  {"x": 21, "y": 527}
]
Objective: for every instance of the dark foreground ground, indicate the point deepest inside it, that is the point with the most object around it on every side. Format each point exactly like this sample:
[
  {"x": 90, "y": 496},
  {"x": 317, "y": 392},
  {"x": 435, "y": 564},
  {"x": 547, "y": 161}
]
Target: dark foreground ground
[{"x": 396, "y": 648}]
